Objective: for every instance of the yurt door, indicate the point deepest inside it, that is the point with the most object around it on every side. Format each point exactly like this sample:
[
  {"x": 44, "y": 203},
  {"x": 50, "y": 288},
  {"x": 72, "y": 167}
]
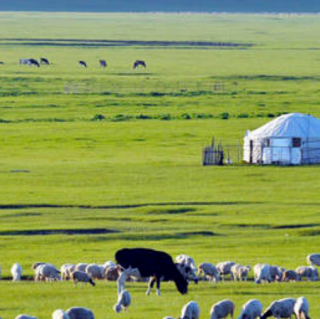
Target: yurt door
[{"x": 251, "y": 151}]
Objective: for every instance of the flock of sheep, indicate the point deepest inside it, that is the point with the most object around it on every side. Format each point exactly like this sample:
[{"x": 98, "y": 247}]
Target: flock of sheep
[{"x": 87, "y": 273}]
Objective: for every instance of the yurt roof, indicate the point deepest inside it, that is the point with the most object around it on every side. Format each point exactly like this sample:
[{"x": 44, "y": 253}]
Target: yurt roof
[{"x": 290, "y": 125}]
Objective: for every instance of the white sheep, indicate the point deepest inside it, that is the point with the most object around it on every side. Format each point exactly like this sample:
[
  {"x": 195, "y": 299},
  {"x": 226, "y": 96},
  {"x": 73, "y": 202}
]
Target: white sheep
[
  {"x": 81, "y": 267},
  {"x": 47, "y": 272},
  {"x": 276, "y": 273},
  {"x": 95, "y": 271},
  {"x": 80, "y": 313},
  {"x": 283, "y": 308},
  {"x": 301, "y": 308},
  {"x": 108, "y": 264},
  {"x": 16, "y": 272},
  {"x": 262, "y": 273},
  {"x": 66, "y": 271},
  {"x": 23, "y": 316},
  {"x": 124, "y": 301},
  {"x": 187, "y": 260},
  {"x": 309, "y": 272},
  {"x": 60, "y": 314},
  {"x": 80, "y": 276},
  {"x": 240, "y": 272},
  {"x": 210, "y": 271},
  {"x": 290, "y": 275},
  {"x": 251, "y": 309},
  {"x": 313, "y": 259},
  {"x": 224, "y": 268},
  {"x": 222, "y": 309},
  {"x": 190, "y": 311}
]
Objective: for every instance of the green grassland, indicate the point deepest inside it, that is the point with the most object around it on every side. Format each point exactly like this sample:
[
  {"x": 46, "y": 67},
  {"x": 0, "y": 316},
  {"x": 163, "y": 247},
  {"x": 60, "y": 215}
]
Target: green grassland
[{"x": 117, "y": 152}]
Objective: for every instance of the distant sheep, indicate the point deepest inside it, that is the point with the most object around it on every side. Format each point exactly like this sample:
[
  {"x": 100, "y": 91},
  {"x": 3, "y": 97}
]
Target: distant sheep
[
  {"x": 80, "y": 313},
  {"x": 224, "y": 268},
  {"x": 283, "y": 308},
  {"x": 190, "y": 311},
  {"x": 16, "y": 272},
  {"x": 301, "y": 308},
  {"x": 186, "y": 260},
  {"x": 80, "y": 276},
  {"x": 222, "y": 309},
  {"x": 47, "y": 272},
  {"x": 124, "y": 301},
  {"x": 251, "y": 309},
  {"x": 262, "y": 273},
  {"x": 240, "y": 272},
  {"x": 313, "y": 259},
  {"x": 290, "y": 275},
  {"x": 309, "y": 272},
  {"x": 276, "y": 273},
  {"x": 112, "y": 274},
  {"x": 81, "y": 267},
  {"x": 109, "y": 263},
  {"x": 66, "y": 271},
  {"x": 210, "y": 271},
  {"x": 95, "y": 271}
]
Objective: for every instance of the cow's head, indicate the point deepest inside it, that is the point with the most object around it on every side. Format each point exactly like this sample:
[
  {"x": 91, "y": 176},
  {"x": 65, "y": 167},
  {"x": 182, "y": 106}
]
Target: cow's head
[{"x": 182, "y": 284}]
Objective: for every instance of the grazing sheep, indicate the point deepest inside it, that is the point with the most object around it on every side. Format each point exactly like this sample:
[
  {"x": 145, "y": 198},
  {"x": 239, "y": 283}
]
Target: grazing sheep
[
  {"x": 81, "y": 267},
  {"x": 251, "y": 309},
  {"x": 66, "y": 271},
  {"x": 309, "y": 272},
  {"x": 290, "y": 275},
  {"x": 187, "y": 272},
  {"x": 108, "y": 264},
  {"x": 16, "y": 272},
  {"x": 95, "y": 271},
  {"x": 283, "y": 308},
  {"x": 60, "y": 314},
  {"x": 210, "y": 271},
  {"x": 222, "y": 309},
  {"x": 262, "y": 273},
  {"x": 47, "y": 272},
  {"x": 313, "y": 259},
  {"x": 23, "y": 316},
  {"x": 224, "y": 268},
  {"x": 124, "y": 301},
  {"x": 187, "y": 260},
  {"x": 240, "y": 272},
  {"x": 80, "y": 276},
  {"x": 276, "y": 273},
  {"x": 190, "y": 311},
  {"x": 80, "y": 313},
  {"x": 112, "y": 274},
  {"x": 301, "y": 308}
]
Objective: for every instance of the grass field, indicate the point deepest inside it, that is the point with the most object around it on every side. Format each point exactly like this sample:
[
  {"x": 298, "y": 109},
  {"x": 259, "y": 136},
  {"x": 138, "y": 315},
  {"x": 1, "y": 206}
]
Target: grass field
[{"x": 117, "y": 152}]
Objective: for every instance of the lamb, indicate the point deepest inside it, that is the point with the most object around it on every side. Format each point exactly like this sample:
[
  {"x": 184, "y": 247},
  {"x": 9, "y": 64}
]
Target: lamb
[
  {"x": 124, "y": 301},
  {"x": 16, "y": 272},
  {"x": 309, "y": 272},
  {"x": 190, "y": 311},
  {"x": 210, "y": 271},
  {"x": 47, "y": 272},
  {"x": 81, "y": 267},
  {"x": 187, "y": 260},
  {"x": 301, "y": 308},
  {"x": 251, "y": 309},
  {"x": 262, "y": 273},
  {"x": 80, "y": 313},
  {"x": 224, "y": 268},
  {"x": 313, "y": 259},
  {"x": 290, "y": 275},
  {"x": 283, "y": 308},
  {"x": 240, "y": 272},
  {"x": 23, "y": 316},
  {"x": 60, "y": 314},
  {"x": 112, "y": 273},
  {"x": 80, "y": 276},
  {"x": 95, "y": 271},
  {"x": 66, "y": 271},
  {"x": 222, "y": 309}
]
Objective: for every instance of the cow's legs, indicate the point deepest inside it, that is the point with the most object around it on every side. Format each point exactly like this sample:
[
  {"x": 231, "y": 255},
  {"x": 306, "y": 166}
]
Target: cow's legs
[
  {"x": 152, "y": 280},
  {"x": 158, "y": 286}
]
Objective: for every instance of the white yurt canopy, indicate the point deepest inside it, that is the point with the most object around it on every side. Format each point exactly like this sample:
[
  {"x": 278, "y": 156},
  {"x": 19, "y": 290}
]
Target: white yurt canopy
[{"x": 289, "y": 125}]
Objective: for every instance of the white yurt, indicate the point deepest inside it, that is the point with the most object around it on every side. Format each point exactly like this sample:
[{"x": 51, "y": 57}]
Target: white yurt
[{"x": 290, "y": 139}]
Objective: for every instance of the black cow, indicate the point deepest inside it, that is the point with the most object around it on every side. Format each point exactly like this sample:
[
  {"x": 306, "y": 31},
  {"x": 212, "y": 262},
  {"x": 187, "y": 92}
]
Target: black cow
[
  {"x": 139, "y": 63},
  {"x": 44, "y": 61},
  {"x": 33, "y": 62},
  {"x": 82, "y": 63},
  {"x": 149, "y": 263}
]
